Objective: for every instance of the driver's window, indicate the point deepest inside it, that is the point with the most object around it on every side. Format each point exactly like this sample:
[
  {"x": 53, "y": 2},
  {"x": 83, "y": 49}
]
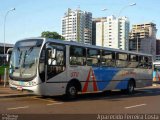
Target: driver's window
[{"x": 55, "y": 59}]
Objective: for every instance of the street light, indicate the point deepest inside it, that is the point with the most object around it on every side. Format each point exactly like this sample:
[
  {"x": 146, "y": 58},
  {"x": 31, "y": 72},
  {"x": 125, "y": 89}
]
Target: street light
[
  {"x": 132, "y": 4},
  {"x": 104, "y": 9},
  {"x": 5, "y": 27},
  {"x": 5, "y": 70}
]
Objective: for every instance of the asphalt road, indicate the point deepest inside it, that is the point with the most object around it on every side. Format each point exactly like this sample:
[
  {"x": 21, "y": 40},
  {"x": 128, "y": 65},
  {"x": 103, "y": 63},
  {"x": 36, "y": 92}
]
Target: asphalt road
[{"x": 143, "y": 101}]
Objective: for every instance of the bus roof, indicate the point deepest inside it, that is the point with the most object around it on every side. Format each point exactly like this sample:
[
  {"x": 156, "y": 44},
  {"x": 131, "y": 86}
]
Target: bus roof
[
  {"x": 84, "y": 45},
  {"x": 156, "y": 62}
]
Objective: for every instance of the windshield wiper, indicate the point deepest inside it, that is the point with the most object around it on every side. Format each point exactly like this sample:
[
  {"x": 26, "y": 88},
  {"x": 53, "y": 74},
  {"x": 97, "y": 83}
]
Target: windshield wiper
[
  {"x": 30, "y": 50},
  {"x": 20, "y": 57}
]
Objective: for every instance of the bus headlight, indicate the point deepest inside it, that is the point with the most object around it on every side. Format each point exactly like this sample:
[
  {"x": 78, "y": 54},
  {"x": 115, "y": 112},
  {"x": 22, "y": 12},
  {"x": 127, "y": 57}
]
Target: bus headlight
[{"x": 32, "y": 83}]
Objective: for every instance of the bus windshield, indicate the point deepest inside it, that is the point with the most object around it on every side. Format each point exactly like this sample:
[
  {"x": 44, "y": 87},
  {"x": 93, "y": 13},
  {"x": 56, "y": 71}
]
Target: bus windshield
[
  {"x": 24, "y": 59},
  {"x": 156, "y": 67}
]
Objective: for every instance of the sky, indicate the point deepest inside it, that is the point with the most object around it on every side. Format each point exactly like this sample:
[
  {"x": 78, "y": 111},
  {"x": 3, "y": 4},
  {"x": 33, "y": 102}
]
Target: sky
[{"x": 32, "y": 17}]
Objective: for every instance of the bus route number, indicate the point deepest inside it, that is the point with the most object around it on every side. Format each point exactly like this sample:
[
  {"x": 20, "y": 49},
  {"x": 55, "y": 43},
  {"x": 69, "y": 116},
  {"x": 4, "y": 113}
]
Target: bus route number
[{"x": 74, "y": 74}]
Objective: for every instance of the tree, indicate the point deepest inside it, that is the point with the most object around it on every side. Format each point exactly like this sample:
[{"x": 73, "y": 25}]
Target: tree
[{"x": 55, "y": 35}]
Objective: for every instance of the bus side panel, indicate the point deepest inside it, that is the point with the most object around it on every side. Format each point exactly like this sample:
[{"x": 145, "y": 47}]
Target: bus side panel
[
  {"x": 104, "y": 76},
  {"x": 56, "y": 85},
  {"x": 118, "y": 78},
  {"x": 83, "y": 74},
  {"x": 94, "y": 79},
  {"x": 143, "y": 78}
]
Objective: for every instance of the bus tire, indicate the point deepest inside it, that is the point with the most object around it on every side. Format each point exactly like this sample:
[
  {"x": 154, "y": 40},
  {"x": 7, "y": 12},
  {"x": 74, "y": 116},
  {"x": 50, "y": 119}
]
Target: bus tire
[
  {"x": 71, "y": 91},
  {"x": 130, "y": 87}
]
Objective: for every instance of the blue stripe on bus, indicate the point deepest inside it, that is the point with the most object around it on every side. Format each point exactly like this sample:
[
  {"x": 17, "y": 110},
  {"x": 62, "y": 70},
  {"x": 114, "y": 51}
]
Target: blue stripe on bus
[
  {"x": 104, "y": 74},
  {"x": 122, "y": 84}
]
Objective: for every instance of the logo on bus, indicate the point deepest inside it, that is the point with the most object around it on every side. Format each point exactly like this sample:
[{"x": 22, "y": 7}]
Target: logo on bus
[{"x": 74, "y": 74}]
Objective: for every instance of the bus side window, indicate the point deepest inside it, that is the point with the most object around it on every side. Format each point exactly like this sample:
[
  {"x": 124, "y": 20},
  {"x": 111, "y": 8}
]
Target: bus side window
[
  {"x": 77, "y": 55},
  {"x": 133, "y": 61},
  {"x": 143, "y": 62},
  {"x": 55, "y": 59},
  {"x": 51, "y": 58},
  {"x": 93, "y": 57},
  {"x": 108, "y": 58},
  {"x": 121, "y": 60}
]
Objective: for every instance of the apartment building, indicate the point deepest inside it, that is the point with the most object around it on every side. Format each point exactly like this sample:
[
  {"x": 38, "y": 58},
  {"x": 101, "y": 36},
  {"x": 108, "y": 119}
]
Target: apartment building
[
  {"x": 77, "y": 26},
  {"x": 143, "y": 38},
  {"x": 158, "y": 49},
  {"x": 112, "y": 32}
]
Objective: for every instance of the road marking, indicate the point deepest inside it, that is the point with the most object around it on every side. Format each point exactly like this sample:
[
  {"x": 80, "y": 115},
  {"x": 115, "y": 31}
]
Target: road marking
[
  {"x": 135, "y": 106},
  {"x": 58, "y": 103},
  {"x": 18, "y": 108}
]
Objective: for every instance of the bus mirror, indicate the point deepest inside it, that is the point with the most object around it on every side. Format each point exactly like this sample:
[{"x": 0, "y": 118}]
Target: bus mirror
[
  {"x": 9, "y": 51},
  {"x": 7, "y": 57}
]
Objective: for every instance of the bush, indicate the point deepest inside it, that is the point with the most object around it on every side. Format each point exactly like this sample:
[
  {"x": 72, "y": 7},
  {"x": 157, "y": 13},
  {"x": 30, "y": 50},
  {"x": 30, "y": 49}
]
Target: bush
[{"x": 2, "y": 69}]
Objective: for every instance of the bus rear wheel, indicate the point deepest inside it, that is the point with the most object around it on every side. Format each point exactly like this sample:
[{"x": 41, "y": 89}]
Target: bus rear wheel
[
  {"x": 71, "y": 91},
  {"x": 130, "y": 87}
]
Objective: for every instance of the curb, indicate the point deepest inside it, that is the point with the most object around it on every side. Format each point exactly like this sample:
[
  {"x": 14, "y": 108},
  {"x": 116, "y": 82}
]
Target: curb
[{"x": 156, "y": 85}]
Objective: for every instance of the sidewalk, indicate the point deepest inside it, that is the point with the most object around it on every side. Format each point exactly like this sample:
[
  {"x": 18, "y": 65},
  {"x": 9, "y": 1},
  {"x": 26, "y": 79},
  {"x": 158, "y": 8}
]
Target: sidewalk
[
  {"x": 6, "y": 92},
  {"x": 156, "y": 83}
]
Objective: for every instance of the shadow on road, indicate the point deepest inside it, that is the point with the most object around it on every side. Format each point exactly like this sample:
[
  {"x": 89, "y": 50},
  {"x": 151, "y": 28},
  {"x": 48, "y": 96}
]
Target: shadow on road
[{"x": 107, "y": 95}]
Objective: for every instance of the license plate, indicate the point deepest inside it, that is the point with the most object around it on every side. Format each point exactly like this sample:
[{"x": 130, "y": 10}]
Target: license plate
[{"x": 19, "y": 88}]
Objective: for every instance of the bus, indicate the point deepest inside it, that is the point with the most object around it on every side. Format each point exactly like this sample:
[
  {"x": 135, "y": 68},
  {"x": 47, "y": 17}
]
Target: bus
[
  {"x": 50, "y": 67},
  {"x": 156, "y": 71}
]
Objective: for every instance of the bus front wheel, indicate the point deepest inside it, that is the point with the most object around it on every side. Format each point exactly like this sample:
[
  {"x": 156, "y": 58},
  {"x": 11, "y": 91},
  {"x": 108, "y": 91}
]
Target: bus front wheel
[{"x": 71, "y": 91}]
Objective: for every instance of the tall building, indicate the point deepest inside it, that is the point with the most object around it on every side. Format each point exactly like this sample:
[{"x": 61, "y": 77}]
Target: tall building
[
  {"x": 77, "y": 26},
  {"x": 94, "y": 28},
  {"x": 158, "y": 49},
  {"x": 113, "y": 32},
  {"x": 143, "y": 38}
]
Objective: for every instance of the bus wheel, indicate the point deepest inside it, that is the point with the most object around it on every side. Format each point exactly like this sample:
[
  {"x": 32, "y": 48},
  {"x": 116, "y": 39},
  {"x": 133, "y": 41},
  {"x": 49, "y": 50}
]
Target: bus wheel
[
  {"x": 71, "y": 91},
  {"x": 130, "y": 87}
]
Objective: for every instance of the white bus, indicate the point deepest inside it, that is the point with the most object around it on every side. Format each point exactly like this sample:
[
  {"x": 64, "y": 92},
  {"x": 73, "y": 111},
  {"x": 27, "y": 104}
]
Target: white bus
[
  {"x": 156, "y": 71},
  {"x": 54, "y": 67}
]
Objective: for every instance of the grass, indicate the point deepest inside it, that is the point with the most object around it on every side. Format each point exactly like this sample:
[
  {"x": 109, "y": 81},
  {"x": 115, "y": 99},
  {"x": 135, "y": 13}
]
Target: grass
[{"x": 2, "y": 69}]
